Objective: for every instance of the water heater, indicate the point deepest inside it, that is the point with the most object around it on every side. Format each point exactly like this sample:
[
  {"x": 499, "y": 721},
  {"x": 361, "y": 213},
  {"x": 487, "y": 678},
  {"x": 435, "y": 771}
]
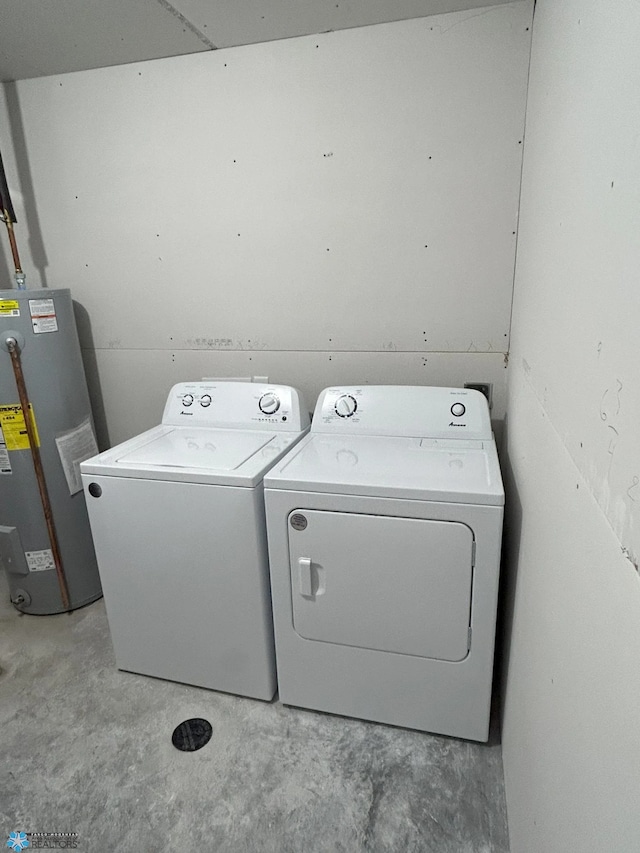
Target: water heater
[{"x": 38, "y": 329}]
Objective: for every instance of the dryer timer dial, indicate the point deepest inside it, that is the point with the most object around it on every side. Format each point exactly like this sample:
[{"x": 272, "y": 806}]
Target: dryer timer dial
[
  {"x": 269, "y": 403},
  {"x": 346, "y": 406}
]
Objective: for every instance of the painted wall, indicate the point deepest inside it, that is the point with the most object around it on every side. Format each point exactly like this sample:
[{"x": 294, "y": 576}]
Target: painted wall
[
  {"x": 11, "y": 170},
  {"x": 323, "y": 209},
  {"x": 571, "y": 740}
]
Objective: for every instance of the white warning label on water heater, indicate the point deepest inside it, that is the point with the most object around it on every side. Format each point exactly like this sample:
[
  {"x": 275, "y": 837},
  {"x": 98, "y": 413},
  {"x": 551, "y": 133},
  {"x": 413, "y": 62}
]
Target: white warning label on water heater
[
  {"x": 43, "y": 316},
  {"x": 40, "y": 561},
  {"x": 74, "y": 446}
]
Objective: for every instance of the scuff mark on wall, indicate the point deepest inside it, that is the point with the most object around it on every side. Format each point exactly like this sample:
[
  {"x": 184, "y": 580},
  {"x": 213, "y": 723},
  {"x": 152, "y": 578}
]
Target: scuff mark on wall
[
  {"x": 605, "y": 469},
  {"x": 187, "y": 23},
  {"x": 229, "y": 344},
  {"x": 633, "y": 560},
  {"x": 209, "y": 343}
]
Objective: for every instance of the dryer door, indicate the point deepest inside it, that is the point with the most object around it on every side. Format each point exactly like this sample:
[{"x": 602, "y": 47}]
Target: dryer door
[{"x": 377, "y": 582}]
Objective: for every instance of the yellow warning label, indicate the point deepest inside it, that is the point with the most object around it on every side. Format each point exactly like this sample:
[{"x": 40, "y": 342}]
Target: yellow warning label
[
  {"x": 15, "y": 429},
  {"x": 9, "y": 308}
]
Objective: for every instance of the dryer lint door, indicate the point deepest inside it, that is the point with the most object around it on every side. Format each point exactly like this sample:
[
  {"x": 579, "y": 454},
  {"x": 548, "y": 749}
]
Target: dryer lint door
[{"x": 376, "y": 582}]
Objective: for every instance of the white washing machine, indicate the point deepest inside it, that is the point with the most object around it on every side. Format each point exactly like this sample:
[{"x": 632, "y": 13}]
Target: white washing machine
[
  {"x": 384, "y": 527},
  {"x": 177, "y": 516}
]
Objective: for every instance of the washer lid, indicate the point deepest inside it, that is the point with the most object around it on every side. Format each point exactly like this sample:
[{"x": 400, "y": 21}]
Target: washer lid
[
  {"x": 214, "y": 449},
  {"x": 194, "y": 455},
  {"x": 414, "y": 468}
]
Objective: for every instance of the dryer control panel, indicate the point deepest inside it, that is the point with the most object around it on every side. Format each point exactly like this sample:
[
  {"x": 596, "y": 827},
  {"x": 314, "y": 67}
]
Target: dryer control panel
[
  {"x": 241, "y": 405},
  {"x": 403, "y": 410}
]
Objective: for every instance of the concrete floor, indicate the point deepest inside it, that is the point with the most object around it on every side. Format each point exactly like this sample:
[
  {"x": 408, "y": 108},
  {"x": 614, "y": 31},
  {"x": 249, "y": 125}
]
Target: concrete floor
[{"x": 87, "y": 749}]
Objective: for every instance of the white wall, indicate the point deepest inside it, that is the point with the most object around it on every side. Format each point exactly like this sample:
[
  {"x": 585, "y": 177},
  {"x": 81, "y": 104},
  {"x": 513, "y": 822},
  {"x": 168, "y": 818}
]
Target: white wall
[
  {"x": 11, "y": 170},
  {"x": 324, "y": 209},
  {"x": 571, "y": 741}
]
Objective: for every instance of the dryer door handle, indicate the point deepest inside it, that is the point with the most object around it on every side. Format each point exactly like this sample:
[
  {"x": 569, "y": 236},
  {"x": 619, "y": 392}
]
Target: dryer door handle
[{"x": 305, "y": 576}]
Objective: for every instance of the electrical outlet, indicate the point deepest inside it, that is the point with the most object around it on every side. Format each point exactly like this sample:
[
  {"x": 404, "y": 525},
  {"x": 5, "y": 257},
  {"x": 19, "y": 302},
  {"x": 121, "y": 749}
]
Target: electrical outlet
[{"x": 483, "y": 387}]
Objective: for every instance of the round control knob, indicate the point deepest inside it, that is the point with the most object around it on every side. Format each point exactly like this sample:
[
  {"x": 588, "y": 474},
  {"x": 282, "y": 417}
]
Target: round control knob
[
  {"x": 458, "y": 410},
  {"x": 187, "y": 400},
  {"x": 269, "y": 403},
  {"x": 346, "y": 406},
  {"x": 205, "y": 400}
]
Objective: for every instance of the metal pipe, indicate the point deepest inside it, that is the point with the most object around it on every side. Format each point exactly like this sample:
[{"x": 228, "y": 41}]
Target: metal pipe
[
  {"x": 19, "y": 274},
  {"x": 9, "y": 216},
  {"x": 12, "y": 239},
  {"x": 14, "y": 352}
]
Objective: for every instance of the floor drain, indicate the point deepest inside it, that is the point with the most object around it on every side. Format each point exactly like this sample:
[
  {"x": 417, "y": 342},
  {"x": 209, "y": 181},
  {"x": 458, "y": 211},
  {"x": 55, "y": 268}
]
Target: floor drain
[{"x": 191, "y": 735}]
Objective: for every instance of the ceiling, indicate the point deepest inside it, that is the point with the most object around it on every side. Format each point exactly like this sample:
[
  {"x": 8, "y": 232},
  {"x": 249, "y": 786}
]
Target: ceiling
[{"x": 42, "y": 37}]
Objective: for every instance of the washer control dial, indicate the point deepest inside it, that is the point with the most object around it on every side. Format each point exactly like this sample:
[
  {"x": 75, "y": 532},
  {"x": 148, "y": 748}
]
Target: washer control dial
[
  {"x": 346, "y": 406},
  {"x": 269, "y": 403},
  {"x": 187, "y": 400},
  {"x": 458, "y": 410},
  {"x": 205, "y": 400}
]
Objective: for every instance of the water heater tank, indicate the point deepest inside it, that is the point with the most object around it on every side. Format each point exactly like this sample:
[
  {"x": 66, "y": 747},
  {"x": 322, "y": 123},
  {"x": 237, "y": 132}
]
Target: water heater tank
[{"x": 43, "y": 324}]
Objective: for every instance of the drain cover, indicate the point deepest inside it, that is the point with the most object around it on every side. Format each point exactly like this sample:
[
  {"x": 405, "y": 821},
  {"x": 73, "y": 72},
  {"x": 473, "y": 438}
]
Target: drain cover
[{"x": 191, "y": 735}]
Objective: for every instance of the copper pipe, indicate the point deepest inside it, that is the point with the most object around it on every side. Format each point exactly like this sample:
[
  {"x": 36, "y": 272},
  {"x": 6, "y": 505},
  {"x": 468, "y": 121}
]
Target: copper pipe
[
  {"x": 12, "y": 240},
  {"x": 12, "y": 346}
]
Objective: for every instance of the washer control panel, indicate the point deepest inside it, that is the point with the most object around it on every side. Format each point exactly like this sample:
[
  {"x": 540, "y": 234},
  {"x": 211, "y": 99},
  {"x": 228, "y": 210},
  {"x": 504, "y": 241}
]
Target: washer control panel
[
  {"x": 346, "y": 406},
  {"x": 401, "y": 410},
  {"x": 269, "y": 403},
  {"x": 242, "y": 405}
]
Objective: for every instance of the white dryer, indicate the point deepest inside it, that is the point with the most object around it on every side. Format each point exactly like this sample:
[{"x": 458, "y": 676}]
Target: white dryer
[
  {"x": 384, "y": 528},
  {"x": 177, "y": 516}
]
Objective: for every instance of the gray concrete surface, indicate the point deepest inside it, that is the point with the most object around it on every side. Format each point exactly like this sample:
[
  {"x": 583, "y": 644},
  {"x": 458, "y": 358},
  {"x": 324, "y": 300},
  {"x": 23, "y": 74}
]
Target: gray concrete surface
[{"x": 87, "y": 749}]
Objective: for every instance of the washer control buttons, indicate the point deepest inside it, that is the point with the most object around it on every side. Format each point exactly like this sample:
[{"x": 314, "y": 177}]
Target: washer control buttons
[
  {"x": 346, "y": 406},
  {"x": 458, "y": 410},
  {"x": 269, "y": 403},
  {"x": 187, "y": 400},
  {"x": 205, "y": 400}
]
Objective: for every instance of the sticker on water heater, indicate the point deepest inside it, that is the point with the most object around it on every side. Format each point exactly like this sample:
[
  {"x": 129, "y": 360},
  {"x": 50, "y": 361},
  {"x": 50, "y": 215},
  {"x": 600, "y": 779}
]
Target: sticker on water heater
[
  {"x": 43, "y": 316},
  {"x": 14, "y": 428},
  {"x": 74, "y": 446},
  {"x": 9, "y": 308},
  {"x": 5, "y": 462},
  {"x": 40, "y": 561}
]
